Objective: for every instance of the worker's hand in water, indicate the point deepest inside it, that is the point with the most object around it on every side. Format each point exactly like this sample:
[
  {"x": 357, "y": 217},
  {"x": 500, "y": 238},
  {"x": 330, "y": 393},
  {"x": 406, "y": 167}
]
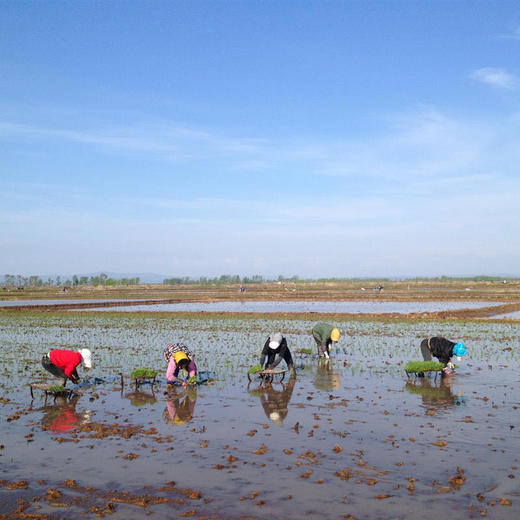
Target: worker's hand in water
[{"x": 447, "y": 371}]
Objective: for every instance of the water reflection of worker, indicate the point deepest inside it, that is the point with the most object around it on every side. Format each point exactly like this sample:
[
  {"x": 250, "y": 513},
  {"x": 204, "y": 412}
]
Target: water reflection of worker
[
  {"x": 325, "y": 334},
  {"x": 180, "y": 405},
  {"x": 179, "y": 357},
  {"x": 326, "y": 378},
  {"x": 141, "y": 398},
  {"x": 275, "y": 349},
  {"x": 63, "y": 363},
  {"x": 443, "y": 349},
  {"x": 275, "y": 400},
  {"x": 62, "y": 416},
  {"x": 435, "y": 395}
]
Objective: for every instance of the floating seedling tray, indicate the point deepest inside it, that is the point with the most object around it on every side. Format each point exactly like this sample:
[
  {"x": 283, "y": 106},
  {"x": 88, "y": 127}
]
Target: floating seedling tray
[
  {"x": 418, "y": 368},
  {"x": 205, "y": 377},
  {"x": 143, "y": 375},
  {"x": 54, "y": 390},
  {"x": 304, "y": 352},
  {"x": 266, "y": 375}
]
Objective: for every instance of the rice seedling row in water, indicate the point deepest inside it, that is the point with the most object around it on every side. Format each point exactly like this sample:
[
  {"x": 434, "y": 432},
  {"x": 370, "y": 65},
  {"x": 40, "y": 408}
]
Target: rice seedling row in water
[
  {"x": 419, "y": 367},
  {"x": 229, "y": 345}
]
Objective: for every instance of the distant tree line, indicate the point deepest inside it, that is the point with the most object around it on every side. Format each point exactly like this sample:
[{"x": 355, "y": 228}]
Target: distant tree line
[
  {"x": 225, "y": 279},
  {"x": 11, "y": 280}
]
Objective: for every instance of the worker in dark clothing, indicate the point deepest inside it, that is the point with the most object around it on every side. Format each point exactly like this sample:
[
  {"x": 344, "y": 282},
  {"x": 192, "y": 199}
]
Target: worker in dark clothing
[
  {"x": 443, "y": 349},
  {"x": 275, "y": 349}
]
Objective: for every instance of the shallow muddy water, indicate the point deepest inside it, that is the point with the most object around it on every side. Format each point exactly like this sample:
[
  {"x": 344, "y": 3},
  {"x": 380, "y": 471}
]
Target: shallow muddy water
[
  {"x": 353, "y": 437},
  {"x": 348, "y": 307},
  {"x": 511, "y": 315},
  {"x": 16, "y": 303}
]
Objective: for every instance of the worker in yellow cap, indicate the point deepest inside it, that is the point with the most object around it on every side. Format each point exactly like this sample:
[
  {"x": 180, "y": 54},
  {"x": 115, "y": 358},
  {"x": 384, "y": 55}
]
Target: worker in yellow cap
[
  {"x": 179, "y": 357},
  {"x": 325, "y": 334}
]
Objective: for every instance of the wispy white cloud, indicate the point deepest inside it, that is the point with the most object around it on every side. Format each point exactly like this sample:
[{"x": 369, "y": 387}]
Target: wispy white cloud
[
  {"x": 418, "y": 151},
  {"x": 513, "y": 34},
  {"x": 163, "y": 141},
  {"x": 496, "y": 77}
]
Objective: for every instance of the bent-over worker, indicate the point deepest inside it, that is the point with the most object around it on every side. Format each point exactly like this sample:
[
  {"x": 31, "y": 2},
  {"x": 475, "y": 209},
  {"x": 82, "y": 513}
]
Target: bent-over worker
[
  {"x": 63, "y": 363},
  {"x": 179, "y": 357},
  {"x": 325, "y": 334},
  {"x": 443, "y": 349},
  {"x": 275, "y": 349}
]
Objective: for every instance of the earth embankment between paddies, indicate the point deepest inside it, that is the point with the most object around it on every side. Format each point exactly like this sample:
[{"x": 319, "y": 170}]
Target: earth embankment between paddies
[
  {"x": 465, "y": 314},
  {"x": 504, "y": 296}
]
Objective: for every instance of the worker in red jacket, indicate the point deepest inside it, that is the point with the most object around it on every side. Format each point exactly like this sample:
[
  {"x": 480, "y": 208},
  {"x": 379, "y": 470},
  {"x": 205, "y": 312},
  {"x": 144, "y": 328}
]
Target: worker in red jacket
[{"x": 63, "y": 363}]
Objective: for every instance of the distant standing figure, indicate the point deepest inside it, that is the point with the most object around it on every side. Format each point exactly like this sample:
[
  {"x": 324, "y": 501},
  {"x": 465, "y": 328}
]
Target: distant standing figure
[
  {"x": 324, "y": 334},
  {"x": 178, "y": 356},
  {"x": 275, "y": 349},
  {"x": 443, "y": 349},
  {"x": 63, "y": 363}
]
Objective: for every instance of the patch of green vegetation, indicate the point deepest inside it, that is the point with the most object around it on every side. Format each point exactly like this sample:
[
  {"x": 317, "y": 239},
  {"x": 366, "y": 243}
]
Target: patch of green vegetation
[
  {"x": 57, "y": 389},
  {"x": 418, "y": 367},
  {"x": 255, "y": 369},
  {"x": 142, "y": 372},
  {"x": 307, "y": 351},
  {"x": 192, "y": 380}
]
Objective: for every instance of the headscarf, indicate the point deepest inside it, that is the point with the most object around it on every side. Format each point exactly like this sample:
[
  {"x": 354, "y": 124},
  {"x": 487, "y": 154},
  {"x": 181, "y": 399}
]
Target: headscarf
[{"x": 170, "y": 350}]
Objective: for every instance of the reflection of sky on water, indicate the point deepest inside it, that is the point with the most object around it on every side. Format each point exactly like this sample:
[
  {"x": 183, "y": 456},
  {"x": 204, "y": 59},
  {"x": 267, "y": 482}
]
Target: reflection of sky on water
[
  {"x": 512, "y": 315},
  {"x": 13, "y": 303},
  {"x": 354, "y": 307},
  {"x": 358, "y": 411}
]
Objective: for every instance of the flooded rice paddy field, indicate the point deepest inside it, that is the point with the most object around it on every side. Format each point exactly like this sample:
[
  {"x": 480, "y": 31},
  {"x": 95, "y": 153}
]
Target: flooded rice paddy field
[
  {"x": 511, "y": 315},
  {"x": 18, "y": 302},
  {"x": 350, "y": 307},
  {"x": 352, "y": 439}
]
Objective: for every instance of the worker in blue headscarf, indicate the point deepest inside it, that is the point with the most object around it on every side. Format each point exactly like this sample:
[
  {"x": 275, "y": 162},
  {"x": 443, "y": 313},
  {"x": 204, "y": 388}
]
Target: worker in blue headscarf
[{"x": 443, "y": 349}]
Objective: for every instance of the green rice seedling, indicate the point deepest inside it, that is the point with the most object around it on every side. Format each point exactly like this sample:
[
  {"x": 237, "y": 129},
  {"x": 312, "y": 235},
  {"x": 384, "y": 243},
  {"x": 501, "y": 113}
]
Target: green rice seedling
[
  {"x": 57, "y": 389},
  {"x": 419, "y": 367},
  {"x": 255, "y": 369},
  {"x": 142, "y": 372},
  {"x": 192, "y": 380}
]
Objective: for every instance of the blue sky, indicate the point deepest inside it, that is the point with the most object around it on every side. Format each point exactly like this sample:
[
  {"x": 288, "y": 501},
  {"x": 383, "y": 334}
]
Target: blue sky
[{"x": 198, "y": 138}]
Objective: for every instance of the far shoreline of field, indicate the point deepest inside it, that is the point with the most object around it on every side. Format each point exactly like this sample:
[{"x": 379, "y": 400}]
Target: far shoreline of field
[{"x": 507, "y": 294}]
